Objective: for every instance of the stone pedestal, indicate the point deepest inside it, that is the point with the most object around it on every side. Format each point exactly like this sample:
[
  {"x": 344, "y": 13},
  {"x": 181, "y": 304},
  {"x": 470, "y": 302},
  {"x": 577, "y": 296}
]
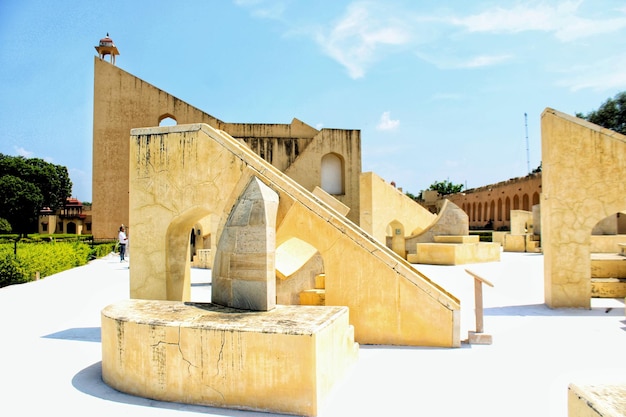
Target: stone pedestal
[{"x": 283, "y": 361}]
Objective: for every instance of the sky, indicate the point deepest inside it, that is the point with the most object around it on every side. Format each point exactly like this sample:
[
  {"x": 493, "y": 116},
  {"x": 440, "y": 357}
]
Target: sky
[{"x": 440, "y": 90}]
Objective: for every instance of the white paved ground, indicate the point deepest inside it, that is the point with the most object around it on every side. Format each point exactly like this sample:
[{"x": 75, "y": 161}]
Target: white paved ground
[{"x": 50, "y": 351}]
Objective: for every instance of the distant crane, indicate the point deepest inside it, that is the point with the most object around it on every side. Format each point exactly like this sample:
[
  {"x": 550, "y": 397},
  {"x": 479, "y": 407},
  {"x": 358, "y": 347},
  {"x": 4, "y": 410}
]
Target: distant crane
[{"x": 527, "y": 146}]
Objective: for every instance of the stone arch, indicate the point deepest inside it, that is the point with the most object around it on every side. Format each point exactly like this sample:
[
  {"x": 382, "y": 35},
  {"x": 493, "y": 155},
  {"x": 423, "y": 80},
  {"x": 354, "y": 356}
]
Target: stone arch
[
  {"x": 525, "y": 202},
  {"x": 507, "y": 207},
  {"x": 333, "y": 178},
  {"x": 499, "y": 209},
  {"x": 396, "y": 236},
  {"x": 535, "y": 198},
  {"x": 70, "y": 228},
  {"x": 177, "y": 262},
  {"x": 515, "y": 202},
  {"x": 480, "y": 212},
  {"x": 167, "y": 120},
  {"x": 474, "y": 211},
  {"x": 492, "y": 210},
  {"x": 582, "y": 181}
]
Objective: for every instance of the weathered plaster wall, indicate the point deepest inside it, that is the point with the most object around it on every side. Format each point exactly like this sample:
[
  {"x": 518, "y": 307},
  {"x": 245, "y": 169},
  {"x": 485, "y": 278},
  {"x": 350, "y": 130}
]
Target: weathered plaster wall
[
  {"x": 494, "y": 202},
  {"x": 383, "y": 204},
  {"x": 123, "y": 102},
  {"x": 584, "y": 167},
  {"x": 521, "y": 222},
  {"x": 306, "y": 169},
  {"x": 183, "y": 173}
]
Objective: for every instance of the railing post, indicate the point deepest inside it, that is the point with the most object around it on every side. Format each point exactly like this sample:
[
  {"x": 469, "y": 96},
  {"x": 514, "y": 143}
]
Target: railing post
[{"x": 478, "y": 337}]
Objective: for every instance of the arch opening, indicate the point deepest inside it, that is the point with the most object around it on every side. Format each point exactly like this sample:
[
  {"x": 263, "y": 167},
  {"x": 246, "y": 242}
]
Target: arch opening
[
  {"x": 167, "y": 120},
  {"x": 333, "y": 174}
]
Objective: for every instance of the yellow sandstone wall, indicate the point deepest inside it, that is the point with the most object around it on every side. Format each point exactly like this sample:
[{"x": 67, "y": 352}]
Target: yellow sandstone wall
[
  {"x": 123, "y": 102},
  {"x": 383, "y": 205},
  {"x": 584, "y": 172},
  {"x": 183, "y": 173}
]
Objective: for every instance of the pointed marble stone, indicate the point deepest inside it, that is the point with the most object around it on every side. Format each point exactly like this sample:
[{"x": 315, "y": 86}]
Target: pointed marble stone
[{"x": 244, "y": 274}]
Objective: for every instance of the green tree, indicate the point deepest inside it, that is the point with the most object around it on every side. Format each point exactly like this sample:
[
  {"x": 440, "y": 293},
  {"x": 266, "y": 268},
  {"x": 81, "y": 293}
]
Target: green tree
[
  {"x": 5, "y": 226},
  {"x": 445, "y": 187},
  {"x": 538, "y": 169},
  {"x": 26, "y": 186},
  {"x": 611, "y": 114},
  {"x": 20, "y": 202}
]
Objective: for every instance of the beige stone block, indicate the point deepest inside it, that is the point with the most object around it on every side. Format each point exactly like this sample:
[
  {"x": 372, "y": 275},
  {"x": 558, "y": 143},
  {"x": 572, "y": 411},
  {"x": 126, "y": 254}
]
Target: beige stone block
[
  {"x": 475, "y": 338},
  {"x": 287, "y": 360},
  {"x": 608, "y": 287},
  {"x": 320, "y": 281},
  {"x": 314, "y": 297},
  {"x": 457, "y": 239},
  {"x": 514, "y": 243},
  {"x": 608, "y": 266},
  {"x": 455, "y": 253},
  {"x": 498, "y": 236},
  {"x": 596, "y": 400}
]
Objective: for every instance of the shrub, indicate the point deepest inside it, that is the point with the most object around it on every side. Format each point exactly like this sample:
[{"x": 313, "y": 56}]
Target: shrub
[
  {"x": 100, "y": 250},
  {"x": 11, "y": 270},
  {"x": 47, "y": 258}
]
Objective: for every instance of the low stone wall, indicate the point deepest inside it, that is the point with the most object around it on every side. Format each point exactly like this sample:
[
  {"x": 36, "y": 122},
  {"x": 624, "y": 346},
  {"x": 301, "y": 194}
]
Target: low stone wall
[{"x": 282, "y": 361}]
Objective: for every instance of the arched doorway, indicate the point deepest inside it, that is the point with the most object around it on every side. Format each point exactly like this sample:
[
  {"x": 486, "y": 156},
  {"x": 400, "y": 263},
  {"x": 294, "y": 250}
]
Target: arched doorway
[{"x": 396, "y": 239}]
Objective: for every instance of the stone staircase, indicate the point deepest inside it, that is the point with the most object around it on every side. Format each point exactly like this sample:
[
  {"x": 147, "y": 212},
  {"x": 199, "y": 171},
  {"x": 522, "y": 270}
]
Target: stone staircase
[
  {"x": 317, "y": 295},
  {"x": 608, "y": 275},
  {"x": 455, "y": 250}
]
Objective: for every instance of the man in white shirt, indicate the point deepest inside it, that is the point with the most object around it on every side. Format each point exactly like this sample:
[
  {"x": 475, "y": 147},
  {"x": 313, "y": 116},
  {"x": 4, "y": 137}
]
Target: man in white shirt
[{"x": 121, "y": 237}]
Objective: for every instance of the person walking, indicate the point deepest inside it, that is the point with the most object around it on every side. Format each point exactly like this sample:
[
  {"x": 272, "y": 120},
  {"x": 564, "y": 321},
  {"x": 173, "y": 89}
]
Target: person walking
[{"x": 122, "y": 239}]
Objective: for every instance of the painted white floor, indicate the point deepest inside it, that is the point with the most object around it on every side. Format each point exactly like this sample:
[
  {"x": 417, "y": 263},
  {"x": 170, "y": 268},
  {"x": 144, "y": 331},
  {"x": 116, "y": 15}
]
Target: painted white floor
[{"x": 50, "y": 350}]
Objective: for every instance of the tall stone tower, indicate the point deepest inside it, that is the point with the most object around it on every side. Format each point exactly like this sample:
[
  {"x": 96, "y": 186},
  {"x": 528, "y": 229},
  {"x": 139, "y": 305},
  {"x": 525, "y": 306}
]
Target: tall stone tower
[{"x": 122, "y": 102}]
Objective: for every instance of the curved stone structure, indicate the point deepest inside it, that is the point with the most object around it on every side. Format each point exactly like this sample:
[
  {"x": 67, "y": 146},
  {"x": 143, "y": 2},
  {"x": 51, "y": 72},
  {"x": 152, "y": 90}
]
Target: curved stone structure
[
  {"x": 282, "y": 361},
  {"x": 182, "y": 173}
]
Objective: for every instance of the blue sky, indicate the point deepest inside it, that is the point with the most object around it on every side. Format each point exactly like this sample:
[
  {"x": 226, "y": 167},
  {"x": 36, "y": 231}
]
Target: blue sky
[{"x": 438, "y": 89}]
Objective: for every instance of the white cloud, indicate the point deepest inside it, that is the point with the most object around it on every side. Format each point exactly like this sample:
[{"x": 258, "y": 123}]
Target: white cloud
[
  {"x": 386, "y": 123},
  {"x": 368, "y": 31},
  {"x": 264, "y": 9},
  {"x": 484, "y": 61},
  {"x": 605, "y": 75},
  {"x": 23, "y": 152},
  {"x": 480, "y": 61},
  {"x": 363, "y": 33},
  {"x": 562, "y": 19}
]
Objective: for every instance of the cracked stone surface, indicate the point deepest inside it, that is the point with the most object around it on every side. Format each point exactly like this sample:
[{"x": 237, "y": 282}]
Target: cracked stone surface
[{"x": 283, "y": 319}]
